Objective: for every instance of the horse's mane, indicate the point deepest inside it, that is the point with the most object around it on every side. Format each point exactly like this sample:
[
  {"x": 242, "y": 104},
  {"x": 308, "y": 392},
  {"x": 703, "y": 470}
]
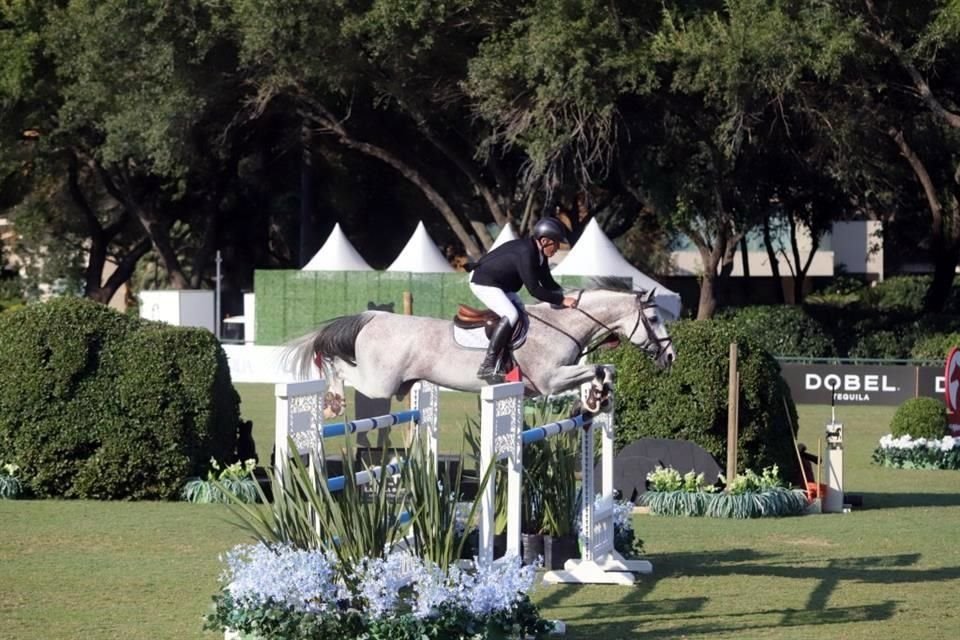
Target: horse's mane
[{"x": 609, "y": 283}]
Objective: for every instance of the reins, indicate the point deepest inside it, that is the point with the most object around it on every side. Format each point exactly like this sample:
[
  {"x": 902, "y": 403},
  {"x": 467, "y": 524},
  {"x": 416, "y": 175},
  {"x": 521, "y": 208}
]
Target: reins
[{"x": 651, "y": 339}]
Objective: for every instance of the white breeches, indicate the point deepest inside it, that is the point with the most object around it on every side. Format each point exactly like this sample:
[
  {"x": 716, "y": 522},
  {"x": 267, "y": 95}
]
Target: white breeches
[{"x": 498, "y": 301}]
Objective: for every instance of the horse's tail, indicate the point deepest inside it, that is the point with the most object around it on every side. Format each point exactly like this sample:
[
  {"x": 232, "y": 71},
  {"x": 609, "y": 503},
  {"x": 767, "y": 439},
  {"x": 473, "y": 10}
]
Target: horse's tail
[{"x": 335, "y": 339}]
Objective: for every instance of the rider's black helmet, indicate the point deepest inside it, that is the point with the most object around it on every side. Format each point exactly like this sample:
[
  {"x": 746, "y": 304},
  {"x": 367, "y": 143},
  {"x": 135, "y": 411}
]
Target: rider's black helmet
[{"x": 550, "y": 228}]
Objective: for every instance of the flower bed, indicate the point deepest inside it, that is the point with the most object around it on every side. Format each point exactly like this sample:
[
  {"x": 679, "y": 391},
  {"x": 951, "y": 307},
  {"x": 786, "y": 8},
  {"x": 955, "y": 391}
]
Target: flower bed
[
  {"x": 921, "y": 453},
  {"x": 287, "y": 593}
]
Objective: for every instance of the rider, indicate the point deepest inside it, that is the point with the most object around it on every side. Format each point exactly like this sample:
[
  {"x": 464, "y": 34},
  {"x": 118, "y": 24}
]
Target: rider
[{"x": 497, "y": 277}]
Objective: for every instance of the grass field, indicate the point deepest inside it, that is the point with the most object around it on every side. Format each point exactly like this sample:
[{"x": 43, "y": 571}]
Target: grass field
[{"x": 98, "y": 570}]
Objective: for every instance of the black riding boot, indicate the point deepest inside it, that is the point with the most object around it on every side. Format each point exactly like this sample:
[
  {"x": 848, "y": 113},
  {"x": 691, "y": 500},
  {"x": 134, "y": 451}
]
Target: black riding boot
[{"x": 488, "y": 371}]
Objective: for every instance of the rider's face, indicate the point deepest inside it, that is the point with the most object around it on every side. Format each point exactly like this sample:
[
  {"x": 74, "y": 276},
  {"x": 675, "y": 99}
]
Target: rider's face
[{"x": 548, "y": 246}]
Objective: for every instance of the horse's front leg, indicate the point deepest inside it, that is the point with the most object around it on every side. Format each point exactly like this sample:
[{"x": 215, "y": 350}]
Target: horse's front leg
[{"x": 566, "y": 378}]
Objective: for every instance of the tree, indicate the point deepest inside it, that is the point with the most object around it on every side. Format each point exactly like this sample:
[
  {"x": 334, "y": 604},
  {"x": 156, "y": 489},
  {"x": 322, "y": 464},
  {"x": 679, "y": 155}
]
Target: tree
[
  {"x": 383, "y": 79},
  {"x": 904, "y": 83}
]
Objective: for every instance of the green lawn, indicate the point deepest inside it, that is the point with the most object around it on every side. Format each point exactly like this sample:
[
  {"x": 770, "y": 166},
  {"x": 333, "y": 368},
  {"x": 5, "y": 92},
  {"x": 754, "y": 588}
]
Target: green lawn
[{"x": 97, "y": 570}]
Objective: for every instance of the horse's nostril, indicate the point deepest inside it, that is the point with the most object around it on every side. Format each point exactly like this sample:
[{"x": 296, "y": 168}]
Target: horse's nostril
[{"x": 670, "y": 358}]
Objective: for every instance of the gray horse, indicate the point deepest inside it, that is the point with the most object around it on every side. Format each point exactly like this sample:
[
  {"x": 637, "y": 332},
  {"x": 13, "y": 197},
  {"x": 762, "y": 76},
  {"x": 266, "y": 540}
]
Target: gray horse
[{"x": 383, "y": 354}]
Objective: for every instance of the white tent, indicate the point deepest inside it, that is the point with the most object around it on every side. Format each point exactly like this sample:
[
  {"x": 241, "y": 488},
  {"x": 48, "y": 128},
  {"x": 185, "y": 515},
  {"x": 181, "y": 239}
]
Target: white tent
[
  {"x": 421, "y": 255},
  {"x": 337, "y": 254},
  {"x": 595, "y": 255},
  {"x": 506, "y": 235}
]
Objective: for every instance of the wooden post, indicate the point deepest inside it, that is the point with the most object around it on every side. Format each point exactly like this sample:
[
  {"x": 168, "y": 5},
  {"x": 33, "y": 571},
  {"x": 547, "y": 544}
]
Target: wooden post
[
  {"x": 407, "y": 303},
  {"x": 733, "y": 397}
]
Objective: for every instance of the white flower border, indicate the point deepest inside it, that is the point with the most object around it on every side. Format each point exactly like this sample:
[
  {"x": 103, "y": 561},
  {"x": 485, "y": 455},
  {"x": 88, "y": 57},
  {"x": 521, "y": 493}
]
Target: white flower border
[{"x": 945, "y": 444}]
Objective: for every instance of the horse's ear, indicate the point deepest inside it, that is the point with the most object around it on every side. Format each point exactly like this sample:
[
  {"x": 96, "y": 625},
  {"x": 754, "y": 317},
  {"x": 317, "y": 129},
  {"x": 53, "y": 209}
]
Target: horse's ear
[{"x": 651, "y": 295}]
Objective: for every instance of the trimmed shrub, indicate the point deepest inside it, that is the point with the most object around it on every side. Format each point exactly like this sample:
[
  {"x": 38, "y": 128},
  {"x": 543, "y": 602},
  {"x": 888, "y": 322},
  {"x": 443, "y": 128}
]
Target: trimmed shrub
[
  {"x": 96, "y": 404},
  {"x": 920, "y": 418},
  {"x": 784, "y": 330},
  {"x": 690, "y": 400}
]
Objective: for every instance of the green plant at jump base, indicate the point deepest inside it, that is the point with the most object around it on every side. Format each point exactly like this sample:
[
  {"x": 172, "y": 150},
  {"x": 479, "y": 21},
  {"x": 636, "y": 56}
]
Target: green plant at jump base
[
  {"x": 672, "y": 494},
  {"x": 237, "y": 478},
  {"x": 10, "y": 485},
  {"x": 748, "y": 495}
]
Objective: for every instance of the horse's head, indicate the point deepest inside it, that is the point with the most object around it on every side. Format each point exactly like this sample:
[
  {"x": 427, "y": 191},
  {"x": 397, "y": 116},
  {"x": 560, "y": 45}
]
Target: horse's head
[
  {"x": 656, "y": 340},
  {"x": 634, "y": 315}
]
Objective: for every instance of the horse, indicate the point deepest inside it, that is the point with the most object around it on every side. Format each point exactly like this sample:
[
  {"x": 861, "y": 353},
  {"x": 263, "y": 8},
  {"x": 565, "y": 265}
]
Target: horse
[{"x": 382, "y": 354}]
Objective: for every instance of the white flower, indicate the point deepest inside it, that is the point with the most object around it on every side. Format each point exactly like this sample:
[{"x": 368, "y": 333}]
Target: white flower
[
  {"x": 434, "y": 588},
  {"x": 498, "y": 586},
  {"x": 302, "y": 579},
  {"x": 381, "y": 579}
]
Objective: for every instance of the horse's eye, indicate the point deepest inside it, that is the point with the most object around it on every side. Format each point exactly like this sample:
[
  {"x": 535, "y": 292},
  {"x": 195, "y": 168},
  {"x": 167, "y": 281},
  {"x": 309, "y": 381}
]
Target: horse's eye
[{"x": 654, "y": 319}]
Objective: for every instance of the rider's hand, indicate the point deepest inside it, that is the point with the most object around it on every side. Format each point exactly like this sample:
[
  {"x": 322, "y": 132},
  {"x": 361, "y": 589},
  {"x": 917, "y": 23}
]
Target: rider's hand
[{"x": 570, "y": 302}]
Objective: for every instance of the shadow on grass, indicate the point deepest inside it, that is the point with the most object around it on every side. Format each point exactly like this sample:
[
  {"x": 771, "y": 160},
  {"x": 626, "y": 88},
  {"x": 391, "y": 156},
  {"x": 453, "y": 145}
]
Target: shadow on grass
[
  {"x": 683, "y": 614},
  {"x": 877, "y": 500}
]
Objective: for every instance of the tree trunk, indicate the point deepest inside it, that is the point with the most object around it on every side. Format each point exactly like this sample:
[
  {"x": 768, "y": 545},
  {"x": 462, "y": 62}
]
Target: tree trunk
[
  {"x": 710, "y": 258},
  {"x": 708, "y": 297},
  {"x": 944, "y": 272},
  {"x": 774, "y": 263},
  {"x": 326, "y": 120},
  {"x": 121, "y": 275},
  {"x": 307, "y": 197},
  {"x": 945, "y": 226}
]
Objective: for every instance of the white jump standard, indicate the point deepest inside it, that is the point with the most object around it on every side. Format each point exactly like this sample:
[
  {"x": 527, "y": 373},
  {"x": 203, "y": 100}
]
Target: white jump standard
[
  {"x": 502, "y": 437},
  {"x": 300, "y": 416}
]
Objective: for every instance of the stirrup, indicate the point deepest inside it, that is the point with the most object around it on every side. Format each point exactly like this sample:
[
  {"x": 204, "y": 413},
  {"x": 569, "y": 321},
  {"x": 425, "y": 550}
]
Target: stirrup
[{"x": 492, "y": 377}]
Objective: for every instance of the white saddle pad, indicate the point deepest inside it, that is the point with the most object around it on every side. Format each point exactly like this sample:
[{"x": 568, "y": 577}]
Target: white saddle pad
[{"x": 477, "y": 338}]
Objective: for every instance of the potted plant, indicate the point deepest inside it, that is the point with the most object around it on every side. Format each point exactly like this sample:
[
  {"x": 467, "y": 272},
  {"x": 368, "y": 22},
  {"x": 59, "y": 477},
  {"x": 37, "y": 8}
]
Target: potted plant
[
  {"x": 532, "y": 504},
  {"x": 558, "y": 487}
]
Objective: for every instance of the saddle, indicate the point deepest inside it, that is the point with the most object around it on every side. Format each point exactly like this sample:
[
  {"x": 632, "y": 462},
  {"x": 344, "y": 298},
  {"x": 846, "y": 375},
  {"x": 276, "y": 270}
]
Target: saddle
[{"x": 472, "y": 318}]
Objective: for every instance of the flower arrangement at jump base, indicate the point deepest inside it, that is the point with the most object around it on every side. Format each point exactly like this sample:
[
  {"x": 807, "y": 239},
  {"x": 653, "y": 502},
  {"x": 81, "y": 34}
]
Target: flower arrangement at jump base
[
  {"x": 10, "y": 485},
  {"x": 748, "y": 495},
  {"x": 289, "y": 593},
  {"x": 906, "y": 452},
  {"x": 381, "y": 561},
  {"x": 237, "y": 478}
]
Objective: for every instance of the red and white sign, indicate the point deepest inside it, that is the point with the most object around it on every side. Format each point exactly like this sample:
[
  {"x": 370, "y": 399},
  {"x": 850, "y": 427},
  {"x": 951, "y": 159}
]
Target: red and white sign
[{"x": 951, "y": 388}]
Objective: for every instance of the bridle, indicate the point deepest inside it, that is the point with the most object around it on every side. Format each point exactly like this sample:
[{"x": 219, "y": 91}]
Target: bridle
[{"x": 652, "y": 344}]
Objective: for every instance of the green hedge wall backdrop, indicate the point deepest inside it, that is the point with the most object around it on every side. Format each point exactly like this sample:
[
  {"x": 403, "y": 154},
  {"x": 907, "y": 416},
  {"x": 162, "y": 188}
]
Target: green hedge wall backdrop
[
  {"x": 292, "y": 303},
  {"x": 96, "y": 404},
  {"x": 689, "y": 401}
]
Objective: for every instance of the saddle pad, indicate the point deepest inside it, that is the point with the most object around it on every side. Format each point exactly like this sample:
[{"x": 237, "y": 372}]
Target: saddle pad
[{"x": 476, "y": 338}]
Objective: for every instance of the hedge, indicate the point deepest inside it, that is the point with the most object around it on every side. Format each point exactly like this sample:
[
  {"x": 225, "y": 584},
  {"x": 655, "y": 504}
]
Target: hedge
[
  {"x": 96, "y": 404},
  {"x": 783, "y": 330},
  {"x": 689, "y": 401}
]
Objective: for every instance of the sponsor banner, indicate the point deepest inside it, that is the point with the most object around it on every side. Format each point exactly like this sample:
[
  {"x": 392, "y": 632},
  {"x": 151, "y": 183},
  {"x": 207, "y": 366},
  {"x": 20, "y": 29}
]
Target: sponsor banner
[{"x": 862, "y": 384}]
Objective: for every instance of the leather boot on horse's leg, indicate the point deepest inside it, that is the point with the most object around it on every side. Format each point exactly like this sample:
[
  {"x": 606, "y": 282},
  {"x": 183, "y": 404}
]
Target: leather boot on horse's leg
[{"x": 489, "y": 370}]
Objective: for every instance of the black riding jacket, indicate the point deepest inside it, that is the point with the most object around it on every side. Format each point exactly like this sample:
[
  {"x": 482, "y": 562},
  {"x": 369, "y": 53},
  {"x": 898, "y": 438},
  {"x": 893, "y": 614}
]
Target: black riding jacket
[{"x": 517, "y": 263}]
